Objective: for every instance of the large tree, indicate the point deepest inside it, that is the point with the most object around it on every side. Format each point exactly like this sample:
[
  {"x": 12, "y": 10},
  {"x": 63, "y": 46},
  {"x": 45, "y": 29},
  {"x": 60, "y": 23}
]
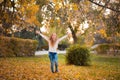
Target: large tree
[
  {"x": 17, "y": 13},
  {"x": 63, "y": 15}
]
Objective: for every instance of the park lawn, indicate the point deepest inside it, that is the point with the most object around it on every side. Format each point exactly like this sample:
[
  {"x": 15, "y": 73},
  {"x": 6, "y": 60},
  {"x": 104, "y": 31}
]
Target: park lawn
[{"x": 37, "y": 68}]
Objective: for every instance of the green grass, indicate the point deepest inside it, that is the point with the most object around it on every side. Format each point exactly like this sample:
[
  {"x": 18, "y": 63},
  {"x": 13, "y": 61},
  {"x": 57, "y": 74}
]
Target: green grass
[{"x": 38, "y": 68}]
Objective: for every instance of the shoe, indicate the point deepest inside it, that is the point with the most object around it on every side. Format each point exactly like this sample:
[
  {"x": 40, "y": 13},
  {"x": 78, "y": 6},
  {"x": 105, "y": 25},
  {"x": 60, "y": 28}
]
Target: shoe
[{"x": 56, "y": 71}]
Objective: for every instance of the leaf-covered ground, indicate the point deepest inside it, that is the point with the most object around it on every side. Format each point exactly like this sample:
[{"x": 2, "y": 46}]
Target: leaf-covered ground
[{"x": 38, "y": 68}]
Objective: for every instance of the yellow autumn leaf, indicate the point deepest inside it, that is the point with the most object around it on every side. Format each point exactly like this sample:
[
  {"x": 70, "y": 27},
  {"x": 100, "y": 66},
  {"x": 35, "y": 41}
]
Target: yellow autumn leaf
[
  {"x": 103, "y": 32},
  {"x": 75, "y": 7}
]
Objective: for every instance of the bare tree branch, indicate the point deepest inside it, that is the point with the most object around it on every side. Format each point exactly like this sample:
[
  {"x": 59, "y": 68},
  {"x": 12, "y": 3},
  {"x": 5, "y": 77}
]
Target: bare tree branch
[{"x": 105, "y": 6}]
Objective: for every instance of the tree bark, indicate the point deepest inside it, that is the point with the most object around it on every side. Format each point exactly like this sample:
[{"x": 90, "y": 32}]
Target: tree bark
[{"x": 73, "y": 34}]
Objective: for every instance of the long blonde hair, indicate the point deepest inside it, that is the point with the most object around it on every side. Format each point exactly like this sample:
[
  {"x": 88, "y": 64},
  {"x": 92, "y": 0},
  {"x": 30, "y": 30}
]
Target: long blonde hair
[{"x": 52, "y": 42}]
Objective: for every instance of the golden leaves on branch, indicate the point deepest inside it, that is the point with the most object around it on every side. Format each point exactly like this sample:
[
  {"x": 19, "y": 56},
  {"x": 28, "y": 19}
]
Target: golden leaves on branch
[
  {"x": 29, "y": 10},
  {"x": 103, "y": 32},
  {"x": 58, "y": 6},
  {"x": 75, "y": 6}
]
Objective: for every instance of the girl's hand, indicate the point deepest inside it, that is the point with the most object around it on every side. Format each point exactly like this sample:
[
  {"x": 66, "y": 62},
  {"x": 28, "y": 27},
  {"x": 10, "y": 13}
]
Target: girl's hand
[
  {"x": 68, "y": 33},
  {"x": 37, "y": 32}
]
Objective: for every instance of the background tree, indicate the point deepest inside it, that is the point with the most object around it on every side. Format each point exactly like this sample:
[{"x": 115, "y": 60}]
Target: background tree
[
  {"x": 101, "y": 16},
  {"x": 104, "y": 14},
  {"x": 17, "y": 13},
  {"x": 64, "y": 15}
]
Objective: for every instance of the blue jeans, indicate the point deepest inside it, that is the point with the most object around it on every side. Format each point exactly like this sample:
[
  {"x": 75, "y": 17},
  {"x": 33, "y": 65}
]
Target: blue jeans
[{"x": 54, "y": 61}]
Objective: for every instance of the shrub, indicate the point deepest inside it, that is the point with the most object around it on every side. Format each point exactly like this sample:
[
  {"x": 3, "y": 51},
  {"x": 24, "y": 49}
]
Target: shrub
[
  {"x": 108, "y": 48},
  {"x": 102, "y": 48},
  {"x": 10, "y": 47},
  {"x": 78, "y": 55},
  {"x": 5, "y": 48}
]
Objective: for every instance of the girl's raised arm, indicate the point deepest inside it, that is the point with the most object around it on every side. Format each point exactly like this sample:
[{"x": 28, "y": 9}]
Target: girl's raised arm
[
  {"x": 45, "y": 37},
  {"x": 60, "y": 39}
]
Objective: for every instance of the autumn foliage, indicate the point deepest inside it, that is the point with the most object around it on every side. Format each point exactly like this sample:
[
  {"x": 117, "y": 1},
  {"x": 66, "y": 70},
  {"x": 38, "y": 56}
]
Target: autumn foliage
[{"x": 38, "y": 68}]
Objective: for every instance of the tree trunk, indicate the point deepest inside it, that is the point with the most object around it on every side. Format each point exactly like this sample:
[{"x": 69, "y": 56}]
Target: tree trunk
[{"x": 73, "y": 34}]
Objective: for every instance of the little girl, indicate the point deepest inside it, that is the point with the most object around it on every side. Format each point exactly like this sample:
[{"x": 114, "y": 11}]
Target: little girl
[{"x": 53, "y": 45}]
